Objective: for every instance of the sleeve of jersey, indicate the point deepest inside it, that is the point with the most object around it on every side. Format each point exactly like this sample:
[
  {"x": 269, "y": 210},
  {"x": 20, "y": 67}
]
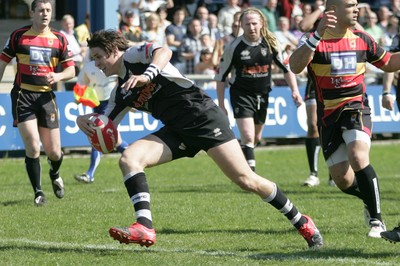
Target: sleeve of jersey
[
  {"x": 377, "y": 55},
  {"x": 225, "y": 63},
  {"x": 8, "y": 53}
]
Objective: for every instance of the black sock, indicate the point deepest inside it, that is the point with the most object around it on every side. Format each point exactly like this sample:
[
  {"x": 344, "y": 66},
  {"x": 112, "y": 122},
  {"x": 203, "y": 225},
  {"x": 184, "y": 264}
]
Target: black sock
[
  {"x": 354, "y": 190},
  {"x": 55, "y": 167},
  {"x": 312, "y": 148},
  {"x": 369, "y": 188},
  {"x": 34, "y": 170},
  {"x": 138, "y": 191},
  {"x": 249, "y": 155},
  {"x": 286, "y": 207}
]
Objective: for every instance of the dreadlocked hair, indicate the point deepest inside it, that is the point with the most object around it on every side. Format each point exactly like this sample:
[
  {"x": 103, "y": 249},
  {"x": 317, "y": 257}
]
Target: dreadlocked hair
[
  {"x": 267, "y": 35},
  {"x": 108, "y": 40}
]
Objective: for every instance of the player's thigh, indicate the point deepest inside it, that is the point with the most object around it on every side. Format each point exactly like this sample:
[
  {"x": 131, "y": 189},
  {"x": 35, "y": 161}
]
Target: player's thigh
[
  {"x": 146, "y": 152},
  {"x": 230, "y": 159},
  {"x": 30, "y": 136}
]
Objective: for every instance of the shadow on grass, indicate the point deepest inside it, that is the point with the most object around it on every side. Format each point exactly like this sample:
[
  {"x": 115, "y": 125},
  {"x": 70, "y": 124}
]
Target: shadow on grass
[{"x": 12, "y": 202}]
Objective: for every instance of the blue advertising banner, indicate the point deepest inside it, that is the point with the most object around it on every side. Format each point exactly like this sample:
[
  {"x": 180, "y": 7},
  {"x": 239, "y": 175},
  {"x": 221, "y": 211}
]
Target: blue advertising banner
[{"x": 284, "y": 120}]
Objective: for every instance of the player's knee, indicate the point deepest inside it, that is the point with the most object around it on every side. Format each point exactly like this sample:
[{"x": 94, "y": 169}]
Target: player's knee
[
  {"x": 246, "y": 183},
  {"x": 127, "y": 162}
]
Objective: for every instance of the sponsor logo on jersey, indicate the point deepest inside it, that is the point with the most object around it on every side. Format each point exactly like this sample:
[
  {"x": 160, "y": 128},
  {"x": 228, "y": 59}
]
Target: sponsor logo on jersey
[
  {"x": 343, "y": 63},
  {"x": 40, "y": 56},
  {"x": 245, "y": 55}
]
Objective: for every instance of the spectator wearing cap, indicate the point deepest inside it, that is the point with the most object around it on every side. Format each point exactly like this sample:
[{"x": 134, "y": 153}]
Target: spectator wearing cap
[{"x": 128, "y": 29}]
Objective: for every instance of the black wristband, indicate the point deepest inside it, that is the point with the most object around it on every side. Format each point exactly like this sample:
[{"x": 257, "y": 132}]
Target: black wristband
[{"x": 385, "y": 93}]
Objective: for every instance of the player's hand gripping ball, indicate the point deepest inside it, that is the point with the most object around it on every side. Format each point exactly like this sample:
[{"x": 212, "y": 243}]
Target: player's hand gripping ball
[{"x": 105, "y": 137}]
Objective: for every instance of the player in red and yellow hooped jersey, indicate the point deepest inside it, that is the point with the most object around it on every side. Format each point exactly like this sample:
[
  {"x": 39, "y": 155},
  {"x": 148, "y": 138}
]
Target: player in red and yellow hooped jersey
[
  {"x": 336, "y": 56},
  {"x": 38, "y": 50}
]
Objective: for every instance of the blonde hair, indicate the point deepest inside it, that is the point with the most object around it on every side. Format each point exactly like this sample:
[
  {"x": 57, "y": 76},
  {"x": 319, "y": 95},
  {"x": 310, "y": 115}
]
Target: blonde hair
[{"x": 267, "y": 35}]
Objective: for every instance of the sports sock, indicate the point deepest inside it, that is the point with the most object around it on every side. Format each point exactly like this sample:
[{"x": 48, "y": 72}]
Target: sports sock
[
  {"x": 55, "y": 166},
  {"x": 248, "y": 151},
  {"x": 122, "y": 147},
  {"x": 354, "y": 190},
  {"x": 34, "y": 170},
  {"x": 313, "y": 147},
  {"x": 95, "y": 157},
  {"x": 138, "y": 191},
  {"x": 369, "y": 188},
  {"x": 286, "y": 207}
]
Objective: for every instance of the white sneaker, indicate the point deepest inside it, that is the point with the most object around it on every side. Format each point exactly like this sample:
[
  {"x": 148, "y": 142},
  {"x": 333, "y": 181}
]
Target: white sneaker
[
  {"x": 84, "y": 178},
  {"x": 377, "y": 227},
  {"x": 312, "y": 181},
  {"x": 40, "y": 201},
  {"x": 58, "y": 187}
]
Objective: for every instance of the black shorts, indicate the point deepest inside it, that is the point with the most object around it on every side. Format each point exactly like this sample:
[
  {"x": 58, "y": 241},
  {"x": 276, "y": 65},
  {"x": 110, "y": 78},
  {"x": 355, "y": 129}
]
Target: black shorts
[
  {"x": 245, "y": 105},
  {"x": 28, "y": 105},
  {"x": 209, "y": 130},
  {"x": 331, "y": 136},
  {"x": 310, "y": 90}
]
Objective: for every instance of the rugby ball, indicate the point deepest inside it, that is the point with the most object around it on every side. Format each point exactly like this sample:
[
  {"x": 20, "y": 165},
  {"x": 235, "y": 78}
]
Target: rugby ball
[{"x": 105, "y": 137}]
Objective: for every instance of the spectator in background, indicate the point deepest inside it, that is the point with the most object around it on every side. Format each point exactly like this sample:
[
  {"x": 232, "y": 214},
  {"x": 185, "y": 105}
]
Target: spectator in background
[
  {"x": 372, "y": 27},
  {"x": 236, "y": 29},
  {"x": 82, "y": 31},
  {"x": 174, "y": 34},
  {"x": 207, "y": 42},
  {"x": 132, "y": 5},
  {"x": 128, "y": 29},
  {"x": 391, "y": 31},
  {"x": 67, "y": 28},
  {"x": 384, "y": 15},
  {"x": 147, "y": 6},
  {"x": 191, "y": 46},
  {"x": 396, "y": 8},
  {"x": 202, "y": 15},
  {"x": 270, "y": 13},
  {"x": 153, "y": 31},
  {"x": 162, "y": 12},
  {"x": 290, "y": 8},
  {"x": 225, "y": 16},
  {"x": 215, "y": 32},
  {"x": 295, "y": 26},
  {"x": 206, "y": 67},
  {"x": 286, "y": 39}
]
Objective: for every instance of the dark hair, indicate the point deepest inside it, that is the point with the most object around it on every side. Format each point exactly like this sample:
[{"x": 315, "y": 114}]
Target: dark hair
[
  {"x": 36, "y": 2},
  {"x": 108, "y": 40}
]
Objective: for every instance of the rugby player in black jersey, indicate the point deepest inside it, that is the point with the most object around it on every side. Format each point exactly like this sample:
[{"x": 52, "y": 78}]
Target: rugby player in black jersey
[{"x": 192, "y": 122}]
